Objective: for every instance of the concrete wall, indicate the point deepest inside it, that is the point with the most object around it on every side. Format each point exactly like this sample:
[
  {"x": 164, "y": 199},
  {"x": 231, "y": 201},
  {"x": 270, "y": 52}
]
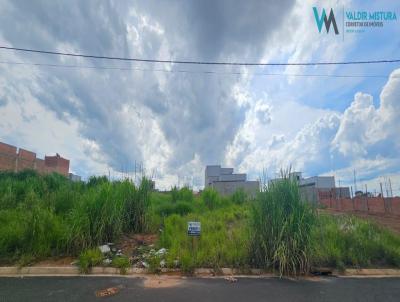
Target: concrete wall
[
  {"x": 233, "y": 177},
  {"x": 319, "y": 181},
  {"x": 225, "y": 171},
  {"x": 216, "y": 173},
  {"x": 229, "y": 187},
  {"x": 309, "y": 194},
  {"x": 212, "y": 174},
  {"x": 75, "y": 177},
  {"x": 371, "y": 205}
]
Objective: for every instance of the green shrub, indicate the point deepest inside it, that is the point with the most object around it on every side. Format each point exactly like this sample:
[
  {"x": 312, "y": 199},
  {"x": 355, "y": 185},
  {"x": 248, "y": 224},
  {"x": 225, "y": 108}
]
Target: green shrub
[
  {"x": 239, "y": 196},
  {"x": 121, "y": 262},
  {"x": 174, "y": 194},
  {"x": 183, "y": 208},
  {"x": 223, "y": 241},
  {"x": 185, "y": 194},
  {"x": 49, "y": 215},
  {"x": 180, "y": 208},
  {"x": 347, "y": 241},
  {"x": 281, "y": 228},
  {"x": 88, "y": 259},
  {"x": 154, "y": 264},
  {"x": 210, "y": 198}
]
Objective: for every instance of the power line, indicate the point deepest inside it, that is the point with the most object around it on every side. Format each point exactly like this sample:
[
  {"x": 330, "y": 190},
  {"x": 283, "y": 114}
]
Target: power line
[
  {"x": 196, "y": 62},
  {"x": 193, "y": 71}
]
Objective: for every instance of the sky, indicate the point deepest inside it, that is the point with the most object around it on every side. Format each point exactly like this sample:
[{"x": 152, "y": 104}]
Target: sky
[{"x": 171, "y": 120}]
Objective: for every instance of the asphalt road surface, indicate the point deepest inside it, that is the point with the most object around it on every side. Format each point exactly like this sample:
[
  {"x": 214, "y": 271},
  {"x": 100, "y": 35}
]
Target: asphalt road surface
[{"x": 197, "y": 289}]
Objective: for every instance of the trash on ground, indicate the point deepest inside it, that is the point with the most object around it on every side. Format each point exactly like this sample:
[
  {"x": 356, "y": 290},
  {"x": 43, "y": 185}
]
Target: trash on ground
[
  {"x": 231, "y": 279},
  {"x": 107, "y": 292},
  {"x": 144, "y": 264},
  {"x": 163, "y": 263},
  {"x": 161, "y": 252},
  {"x": 105, "y": 248}
]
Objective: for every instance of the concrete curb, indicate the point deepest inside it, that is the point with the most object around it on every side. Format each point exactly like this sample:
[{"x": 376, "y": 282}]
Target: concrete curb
[
  {"x": 14, "y": 271},
  {"x": 372, "y": 272}
]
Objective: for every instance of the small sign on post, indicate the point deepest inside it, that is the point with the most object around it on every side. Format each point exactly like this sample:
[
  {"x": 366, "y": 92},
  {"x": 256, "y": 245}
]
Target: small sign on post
[{"x": 194, "y": 228}]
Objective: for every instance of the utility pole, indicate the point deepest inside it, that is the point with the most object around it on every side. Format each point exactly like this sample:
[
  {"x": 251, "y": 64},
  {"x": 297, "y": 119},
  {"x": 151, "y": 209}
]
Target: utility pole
[
  {"x": 381, "y": 190},
  {"x": 386, "y": 187},
  {"x": 390, "y": 187},
  {"x": 355, "y": 181}
]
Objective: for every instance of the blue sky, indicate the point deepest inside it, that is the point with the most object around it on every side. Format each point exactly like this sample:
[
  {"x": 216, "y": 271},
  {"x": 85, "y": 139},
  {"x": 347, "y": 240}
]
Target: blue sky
[{"x": 175, "y": 123}]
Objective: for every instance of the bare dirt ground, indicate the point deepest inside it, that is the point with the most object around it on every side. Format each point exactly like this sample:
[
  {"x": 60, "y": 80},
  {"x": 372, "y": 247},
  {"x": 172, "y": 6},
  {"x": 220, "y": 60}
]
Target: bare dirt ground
[
  {"x": 390, "y": 222},
  {"x": 60, "y": 261},
  {"x": 162, "y": 281},
  {"x": 130, "y": 242}
]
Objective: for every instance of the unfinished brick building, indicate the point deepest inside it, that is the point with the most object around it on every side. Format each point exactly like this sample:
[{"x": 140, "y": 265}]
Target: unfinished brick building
[{"x": 15, "y": 160}]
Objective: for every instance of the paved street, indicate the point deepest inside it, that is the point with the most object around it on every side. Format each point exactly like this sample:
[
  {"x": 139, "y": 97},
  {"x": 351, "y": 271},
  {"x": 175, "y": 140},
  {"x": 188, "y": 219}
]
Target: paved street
[{"x": 193, "y": 289}]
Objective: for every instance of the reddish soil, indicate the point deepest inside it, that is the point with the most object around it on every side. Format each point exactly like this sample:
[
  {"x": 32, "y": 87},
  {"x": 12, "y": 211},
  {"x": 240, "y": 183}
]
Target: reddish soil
[
  {"x": 129, "y": 242},
  {"x": 162, "y": 281},
  {"x": 390, "y": 222},
  {"x": 62, "y": 261}
]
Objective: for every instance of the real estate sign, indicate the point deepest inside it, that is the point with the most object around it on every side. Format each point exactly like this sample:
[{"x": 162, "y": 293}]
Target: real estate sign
[{"x": 194, "y": 228}]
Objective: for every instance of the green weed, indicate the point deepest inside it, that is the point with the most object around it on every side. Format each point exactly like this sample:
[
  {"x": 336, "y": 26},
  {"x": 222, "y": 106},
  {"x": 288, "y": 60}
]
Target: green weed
[
  {"x": 281, "y": 228},
  {"x": 88, "y": 259},
  {"x": 121, "y": 262}
]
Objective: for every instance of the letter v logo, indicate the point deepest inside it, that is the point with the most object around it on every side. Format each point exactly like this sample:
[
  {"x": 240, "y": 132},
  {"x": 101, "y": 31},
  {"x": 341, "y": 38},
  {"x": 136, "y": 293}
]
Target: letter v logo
[
  {"x": 327, "y": 20},
  {"x": 319, "y": 20}
]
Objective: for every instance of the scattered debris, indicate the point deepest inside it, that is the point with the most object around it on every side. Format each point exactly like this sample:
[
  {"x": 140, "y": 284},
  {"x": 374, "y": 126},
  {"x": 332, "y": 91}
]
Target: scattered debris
[
  {"x": 161, "y": 252},
  {"x": 231, "y": 279},
  {"x": 163, "y": 263},
  {"x": 144, "y": 264},
  {"x": 105, "y": 248},
  {"x": 107, "y": 292},
  {"x": 107, "y": 261}
]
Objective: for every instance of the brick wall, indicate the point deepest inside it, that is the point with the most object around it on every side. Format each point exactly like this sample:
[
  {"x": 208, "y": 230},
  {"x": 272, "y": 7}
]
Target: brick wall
[
  {"x": 40, "y": 166},
  {"x": 395, "y": 206},
  {"x": 372, "y": 205},
  {"x": 8, "y": 157},
  {"x": 57, "y": 164},
  {"x": 10, "y": 160},
  {"x": 25, "y": 160}
]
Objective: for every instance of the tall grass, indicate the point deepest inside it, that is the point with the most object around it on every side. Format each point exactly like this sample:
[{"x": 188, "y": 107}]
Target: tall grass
[
  {"x": 281, "y": 228},
  {"x": 223, "y": 241},
  {"x": 43, "y": 216},
  {"x": 346, "y": 241},
  {"x": 49, "y": 215}
]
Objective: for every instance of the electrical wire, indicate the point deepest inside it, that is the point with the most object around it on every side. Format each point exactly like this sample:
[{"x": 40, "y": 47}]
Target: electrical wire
[
  {"x": 194, "y": 71},
  {"x": 196, "y": 62}
]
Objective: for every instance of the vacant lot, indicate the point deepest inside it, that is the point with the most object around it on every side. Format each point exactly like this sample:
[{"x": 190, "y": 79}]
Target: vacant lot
[
  {"x": 50, "y": 217},
  {"x": 390, "y": 222}
]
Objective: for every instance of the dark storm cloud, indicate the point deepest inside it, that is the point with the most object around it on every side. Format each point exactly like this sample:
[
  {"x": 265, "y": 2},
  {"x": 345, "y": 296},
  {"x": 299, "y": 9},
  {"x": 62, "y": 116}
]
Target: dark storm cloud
[{"x": 197, "y": 113}]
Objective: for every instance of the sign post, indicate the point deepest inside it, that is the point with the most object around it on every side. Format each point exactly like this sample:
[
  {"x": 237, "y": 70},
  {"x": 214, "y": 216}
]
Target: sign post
[{"x": 194, "y": 230}]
